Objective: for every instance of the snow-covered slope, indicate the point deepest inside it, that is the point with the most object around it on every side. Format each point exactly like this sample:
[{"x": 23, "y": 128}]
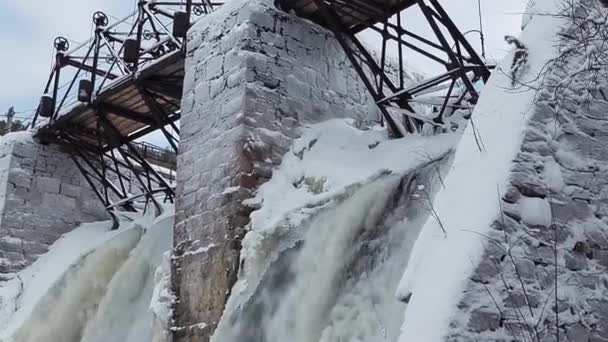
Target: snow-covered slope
[
  {"x": 542, "y": 276},
  {"x": 442, "y": 261}
]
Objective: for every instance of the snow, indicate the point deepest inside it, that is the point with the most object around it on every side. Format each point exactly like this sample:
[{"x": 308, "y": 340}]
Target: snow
[
  {"x": 441, "y": 263},
  {"x": 535, "y": 211},
  {"x": 528, "y": 13},
  {"x": 199, "y": 250},
  {"x": 17, "y": 137},
  {"x": 124, "y": 313},
  {"x": 332, "y": 155}
]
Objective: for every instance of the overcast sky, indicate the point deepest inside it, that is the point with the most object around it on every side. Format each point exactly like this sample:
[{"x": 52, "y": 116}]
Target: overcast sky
[{"x": 28, "y": 27}]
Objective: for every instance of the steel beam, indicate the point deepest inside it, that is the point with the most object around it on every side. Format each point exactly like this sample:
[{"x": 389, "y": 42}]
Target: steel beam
[{"x": 463, "y": 65}]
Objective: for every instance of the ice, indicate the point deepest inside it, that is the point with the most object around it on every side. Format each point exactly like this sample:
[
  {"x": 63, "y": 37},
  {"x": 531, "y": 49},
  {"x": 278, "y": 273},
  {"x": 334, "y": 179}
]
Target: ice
[
  {"x": 162, "y": 300},
  {"x": 318, "y": 268},
  {"x": 306, "y": 297},
  {"x": 19, "y": 296},
  {"x": 123, "y": 314},
  {"x": 23, "y": 136}
]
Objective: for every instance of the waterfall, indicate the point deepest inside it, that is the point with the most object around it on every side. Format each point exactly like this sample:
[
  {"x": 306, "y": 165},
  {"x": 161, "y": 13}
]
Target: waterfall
[
  {"x": 329, "y": 248},
  {"x": 329, "y": 276},
  {"x": 337, "y": 284},
  {"x": 64, "y": 311},
  {"x": 123, "y": 314},
  {"x": 105, "y": 295}
]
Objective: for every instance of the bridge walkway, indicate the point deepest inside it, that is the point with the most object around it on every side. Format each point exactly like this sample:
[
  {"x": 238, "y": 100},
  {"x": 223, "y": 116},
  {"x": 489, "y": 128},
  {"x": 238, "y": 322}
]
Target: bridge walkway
[
  {"x": 383, "y": 22},
  {"x": 126, "y": 82}
]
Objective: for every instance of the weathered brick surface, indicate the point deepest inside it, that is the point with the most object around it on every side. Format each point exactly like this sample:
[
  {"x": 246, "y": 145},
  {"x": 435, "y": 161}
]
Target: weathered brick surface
[
  {"x": 43, "y": 196},
  {"x": 255, "y": 76}
]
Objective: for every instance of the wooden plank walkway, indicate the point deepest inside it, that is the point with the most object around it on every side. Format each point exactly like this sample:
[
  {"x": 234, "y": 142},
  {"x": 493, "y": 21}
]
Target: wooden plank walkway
[
  {"x": 355, "y": 14},
  {"x": 131, "y": 104}
]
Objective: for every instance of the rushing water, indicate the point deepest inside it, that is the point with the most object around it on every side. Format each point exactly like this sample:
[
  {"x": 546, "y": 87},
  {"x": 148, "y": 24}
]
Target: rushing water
[
  {"x": 334, "y": 282},
  {"x": 338, "y": 283},
  {"x": 104, "y": 296}
]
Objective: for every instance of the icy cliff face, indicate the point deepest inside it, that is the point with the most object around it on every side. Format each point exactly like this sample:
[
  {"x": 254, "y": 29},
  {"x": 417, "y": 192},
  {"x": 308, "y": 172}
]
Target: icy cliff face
[{"x": 523, "y": 257}]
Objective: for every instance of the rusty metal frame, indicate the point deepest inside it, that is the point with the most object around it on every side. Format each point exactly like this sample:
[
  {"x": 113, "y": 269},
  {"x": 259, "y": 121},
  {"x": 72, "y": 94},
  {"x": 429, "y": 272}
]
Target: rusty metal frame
[{"x": 450, "y": 49}]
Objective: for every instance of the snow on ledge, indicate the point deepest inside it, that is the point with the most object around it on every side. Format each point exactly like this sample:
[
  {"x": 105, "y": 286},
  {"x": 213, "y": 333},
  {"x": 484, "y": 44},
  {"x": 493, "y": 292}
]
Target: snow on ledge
[
  {"x": 17, "y": 137},
  {"x": 441, "y": 264},
  {"x": 331, "y": 156}
]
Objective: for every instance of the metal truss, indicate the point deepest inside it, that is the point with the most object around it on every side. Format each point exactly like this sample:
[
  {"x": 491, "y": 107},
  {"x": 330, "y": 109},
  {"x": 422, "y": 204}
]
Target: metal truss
[
  {"x": 118, "y": 50},
  {"x": 119, "y": 86},
  {"x": 123, "y": 178},
  {"x": 394, "y": 94}
]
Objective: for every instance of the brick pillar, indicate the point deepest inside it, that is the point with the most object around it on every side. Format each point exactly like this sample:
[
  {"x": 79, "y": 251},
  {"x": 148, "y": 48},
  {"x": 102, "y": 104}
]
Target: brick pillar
[{"x": 254, "y": 76}]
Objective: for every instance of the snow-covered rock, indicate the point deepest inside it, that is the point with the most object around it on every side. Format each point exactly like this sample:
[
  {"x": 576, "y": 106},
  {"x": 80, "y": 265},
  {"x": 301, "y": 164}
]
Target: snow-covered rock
[
  {"x": 441, "y": 263},
  {"x": 524, "y": 256}
]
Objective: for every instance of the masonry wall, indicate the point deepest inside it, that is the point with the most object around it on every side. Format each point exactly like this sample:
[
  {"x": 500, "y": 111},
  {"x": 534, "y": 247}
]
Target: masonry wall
[
  {"x": 544, "y": 273},
  {"x": 255, "y": 76},
  {"x": 42, "y": 196}
]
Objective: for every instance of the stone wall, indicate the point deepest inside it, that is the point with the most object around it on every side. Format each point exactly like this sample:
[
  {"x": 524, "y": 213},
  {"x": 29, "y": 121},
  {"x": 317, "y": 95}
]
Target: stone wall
[
  {"x": 544, "y": 274},
  {"x": 42, "y": 196},
  {"x": 254, "y": 76}
]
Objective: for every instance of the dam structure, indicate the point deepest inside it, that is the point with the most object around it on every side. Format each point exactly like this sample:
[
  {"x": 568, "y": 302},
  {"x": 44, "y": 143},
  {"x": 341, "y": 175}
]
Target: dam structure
[{"x": 230, "y": 86}]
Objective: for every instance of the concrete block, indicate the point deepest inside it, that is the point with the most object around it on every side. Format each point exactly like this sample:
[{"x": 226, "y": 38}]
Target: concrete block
[
  {"x": 69, "y": 190},
  {"x": 58, "y": 201},
  {"x": 48, "y": 185},
  {"x": 25, "y": 150},
  {"x": 19, "y": 177}
]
